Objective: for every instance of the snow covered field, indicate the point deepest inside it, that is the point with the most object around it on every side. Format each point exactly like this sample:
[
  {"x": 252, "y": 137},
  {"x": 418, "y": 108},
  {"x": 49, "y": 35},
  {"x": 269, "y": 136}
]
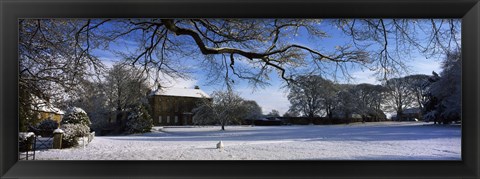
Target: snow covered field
[{"x": 369, "y": 141}]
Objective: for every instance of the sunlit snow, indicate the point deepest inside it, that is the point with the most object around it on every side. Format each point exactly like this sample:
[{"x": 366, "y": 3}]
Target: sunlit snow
[{"x": 369, "y": 141}]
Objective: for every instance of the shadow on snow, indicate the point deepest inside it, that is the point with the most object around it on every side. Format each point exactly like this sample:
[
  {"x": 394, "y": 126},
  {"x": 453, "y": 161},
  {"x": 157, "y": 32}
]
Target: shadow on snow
[{"x": 305, "y": 133}]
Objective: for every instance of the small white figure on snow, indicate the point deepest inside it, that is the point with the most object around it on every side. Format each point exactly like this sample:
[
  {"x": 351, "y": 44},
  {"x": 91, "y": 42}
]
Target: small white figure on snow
[{"x": 220, "y": 145}]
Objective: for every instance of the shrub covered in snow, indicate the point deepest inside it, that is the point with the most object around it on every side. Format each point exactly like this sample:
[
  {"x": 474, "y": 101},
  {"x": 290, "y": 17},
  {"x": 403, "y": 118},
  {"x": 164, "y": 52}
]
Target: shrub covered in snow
[
  {"x": 46, "y": 127},
  {"x": 139, "y": 121},
  {"x": 444, "y": 96},
  {"x": 75, "y": 124},
  {"x": 75, "y": 115},
  {"x": 72, "y": 132}
]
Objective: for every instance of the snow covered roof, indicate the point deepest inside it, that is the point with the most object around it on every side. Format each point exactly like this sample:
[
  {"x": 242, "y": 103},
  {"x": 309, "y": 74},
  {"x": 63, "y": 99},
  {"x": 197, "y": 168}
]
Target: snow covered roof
[
  {"x": 75, "y": 110},
  {"x": 181, "y": 92},
  {"x": 44, "y": 106},
  {"x": 49, "y": 108}
]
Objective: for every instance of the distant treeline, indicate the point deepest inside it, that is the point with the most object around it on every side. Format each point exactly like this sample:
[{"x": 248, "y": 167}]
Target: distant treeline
[{"x": 308, "y": 120}]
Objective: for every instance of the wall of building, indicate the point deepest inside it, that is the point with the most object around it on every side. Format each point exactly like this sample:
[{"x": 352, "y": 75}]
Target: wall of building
[
  {"x": 172, "y": 110},
  {"x": 46, "y": 115}
]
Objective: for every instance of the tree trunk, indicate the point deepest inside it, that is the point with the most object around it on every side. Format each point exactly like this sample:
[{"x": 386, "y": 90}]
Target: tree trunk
[
  {"x": 223, "y": 127},
  {"x": 399, "y": 113},
  {"x": 118, "y": 117},
  {"x": 310, "y": 114}
]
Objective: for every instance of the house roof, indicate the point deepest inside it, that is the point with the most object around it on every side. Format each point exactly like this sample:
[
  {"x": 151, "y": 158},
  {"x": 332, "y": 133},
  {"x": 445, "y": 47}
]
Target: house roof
[
  {"x": 181, "y": 92},
  {"x": 44, "y": 106}
]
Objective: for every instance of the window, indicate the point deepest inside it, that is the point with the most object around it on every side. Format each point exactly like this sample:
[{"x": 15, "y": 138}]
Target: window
[
  {"x": 159, "y": 119},
  {"x": 176, "y": 119},
  {"x": 168, "y": 119}
]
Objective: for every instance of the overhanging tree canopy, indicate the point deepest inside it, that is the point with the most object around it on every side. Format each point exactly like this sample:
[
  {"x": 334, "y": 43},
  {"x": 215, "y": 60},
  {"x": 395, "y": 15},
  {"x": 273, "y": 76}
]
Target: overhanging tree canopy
[
  {"x": 226, "y": 45},
  {"x": 57, "y": 53}
]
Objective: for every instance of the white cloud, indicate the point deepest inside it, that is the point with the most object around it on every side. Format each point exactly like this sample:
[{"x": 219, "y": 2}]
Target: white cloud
[
  {"x": 108, "y": 63},
  {"x": 168, "y": 81},
  {"x": 182, "y": 83},
  {"x": 419, "y": 66},
  {"x": 269, "y": 98},
  {"x": 425, "y": 66},
  {"x": 365, "y": 76}
]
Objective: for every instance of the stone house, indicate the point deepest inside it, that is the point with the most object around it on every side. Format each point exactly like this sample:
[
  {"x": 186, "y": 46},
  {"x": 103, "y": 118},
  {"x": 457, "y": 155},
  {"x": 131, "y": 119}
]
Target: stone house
[
  {"x": 174, "y": 106},
  {"x": 46, "y": 110}
]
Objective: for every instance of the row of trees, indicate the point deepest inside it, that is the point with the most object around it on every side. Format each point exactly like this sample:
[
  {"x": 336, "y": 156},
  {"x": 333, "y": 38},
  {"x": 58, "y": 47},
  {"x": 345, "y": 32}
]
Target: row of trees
[
  {"x": 437, "y": 97},
  {"x": 315, "y": 96}
]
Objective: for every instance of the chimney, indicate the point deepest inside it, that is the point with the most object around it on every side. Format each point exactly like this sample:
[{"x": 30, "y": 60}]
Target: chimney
[{"x": 197, "y": 87}]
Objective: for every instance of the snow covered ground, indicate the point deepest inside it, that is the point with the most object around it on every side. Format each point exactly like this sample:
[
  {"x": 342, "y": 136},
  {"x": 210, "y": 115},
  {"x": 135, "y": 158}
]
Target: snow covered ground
[{"x": 369, "y": 141}]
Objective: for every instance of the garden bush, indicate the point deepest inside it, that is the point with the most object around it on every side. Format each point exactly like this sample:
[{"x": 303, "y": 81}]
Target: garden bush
[
  {"x": 75, "y": 115},
  {"x": 46, "y": 127},
  {"x": 75, "y": 124},
  {"x": 139, "y": 121},
  {"x": 72, "y": 132}
]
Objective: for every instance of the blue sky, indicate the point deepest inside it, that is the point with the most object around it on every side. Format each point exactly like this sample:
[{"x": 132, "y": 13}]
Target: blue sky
[{"x": 274, "y": 96}]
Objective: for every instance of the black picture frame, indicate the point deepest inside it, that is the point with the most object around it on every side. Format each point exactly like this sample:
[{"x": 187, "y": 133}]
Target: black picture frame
[{"x": 12, "y": 10}]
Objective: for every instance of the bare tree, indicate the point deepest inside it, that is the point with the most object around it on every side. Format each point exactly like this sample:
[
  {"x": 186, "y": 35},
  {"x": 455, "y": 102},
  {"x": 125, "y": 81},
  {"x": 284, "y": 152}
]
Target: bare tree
[
  {"x": 329, "y": 91},
  {"x": 93, "y": 100},
  {"x": 264, "y": 44},
  {"x": 368, "y": 100},
  {"x": 125, "y": 88},
  {"x": 52, "y": 55},
  {"x": 346, "y": 98},
  {"x": 305, "y": 97},
  {"x": 252, "y": 48},
  {"x": 273, "y": 113},
  {"x": 204, "y": 112},
  {"x": 405, "y": 92},
  {"x": 399, "y": 96},
  {"x": 261, "y": 43},
  {"x": 252, "y": 109},
  {"x": 312, "y": 96},
  {"x": 290, "y": 114},
  {"x": 225, "y": 107},
  {"x": 391, "y": 41},
  {"x": 52, "y": 61},
  {"x": 419, "y": 86}
]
